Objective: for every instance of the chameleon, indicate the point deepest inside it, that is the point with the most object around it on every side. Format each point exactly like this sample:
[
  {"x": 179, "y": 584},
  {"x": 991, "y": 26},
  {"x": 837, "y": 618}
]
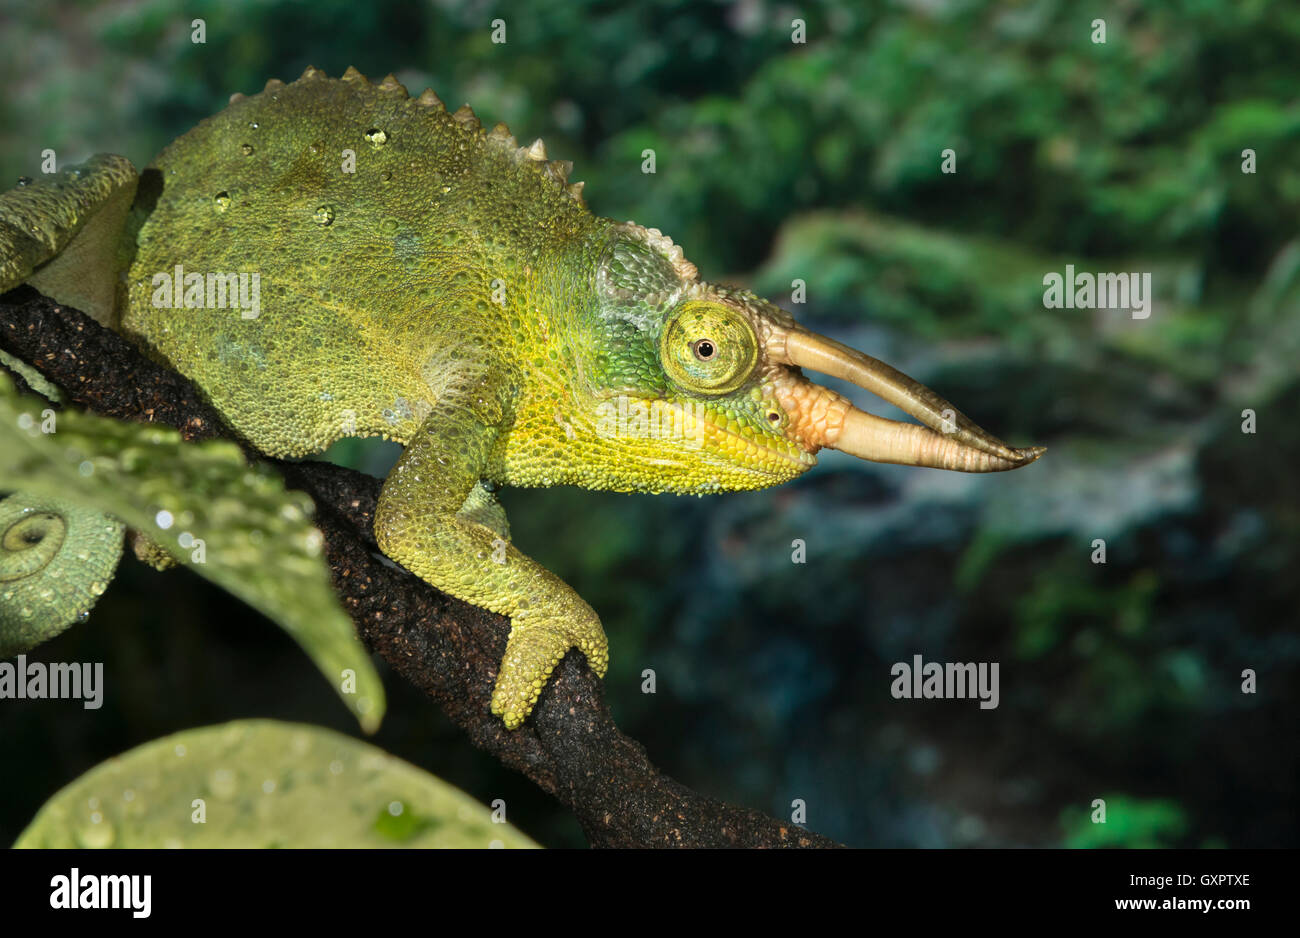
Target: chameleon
[{"x": 430, "y": 281}]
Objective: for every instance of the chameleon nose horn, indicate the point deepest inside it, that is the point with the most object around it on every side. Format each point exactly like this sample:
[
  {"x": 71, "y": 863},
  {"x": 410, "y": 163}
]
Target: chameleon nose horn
[{"x": 949, "y": 439}]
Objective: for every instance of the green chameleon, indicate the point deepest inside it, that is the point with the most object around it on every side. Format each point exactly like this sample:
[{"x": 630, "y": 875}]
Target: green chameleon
[{"x": 426, "y": 280}]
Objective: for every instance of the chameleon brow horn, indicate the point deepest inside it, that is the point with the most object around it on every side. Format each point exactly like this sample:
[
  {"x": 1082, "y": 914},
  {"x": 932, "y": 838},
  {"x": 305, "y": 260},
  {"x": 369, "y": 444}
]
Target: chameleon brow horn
[{"x": 949, "y": 439}]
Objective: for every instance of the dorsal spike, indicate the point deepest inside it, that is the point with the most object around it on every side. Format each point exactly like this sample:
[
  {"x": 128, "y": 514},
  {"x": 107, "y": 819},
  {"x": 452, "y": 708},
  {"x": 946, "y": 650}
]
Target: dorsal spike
[
  {"x": 537, "y": 151},
  {"x": 311, "y": 72},
  {"x": 428, "y": 99},
  {"x": 465, "y": 114},
  {"x": 575, "y": 190},
  {"x": 353, "y": 75},
  {"x": 237, "y": 96},
  {"x": 562, "y": 168},
  {"x": 502, "y": 137},
  {"x": 391, "y": 84},
  {"x": 273, "y": 84}
]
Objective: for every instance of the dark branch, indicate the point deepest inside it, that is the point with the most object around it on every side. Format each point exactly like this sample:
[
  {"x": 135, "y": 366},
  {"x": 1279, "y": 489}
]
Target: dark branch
[{"x": 570, "y": 746}]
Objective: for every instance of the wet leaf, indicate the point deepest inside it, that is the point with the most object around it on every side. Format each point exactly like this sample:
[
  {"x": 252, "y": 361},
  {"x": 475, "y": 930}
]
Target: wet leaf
[
  {"x": 262, "y": 783},
  {"x": 229, "y": 522}
]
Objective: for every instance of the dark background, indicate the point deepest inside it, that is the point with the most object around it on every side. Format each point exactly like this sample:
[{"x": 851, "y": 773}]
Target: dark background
[{"x": 820, "y": 161}]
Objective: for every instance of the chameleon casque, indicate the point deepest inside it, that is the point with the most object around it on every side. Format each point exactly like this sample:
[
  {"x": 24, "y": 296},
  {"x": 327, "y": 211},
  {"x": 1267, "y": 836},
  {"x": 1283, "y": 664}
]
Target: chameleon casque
[{"x": 453, "y": 293}]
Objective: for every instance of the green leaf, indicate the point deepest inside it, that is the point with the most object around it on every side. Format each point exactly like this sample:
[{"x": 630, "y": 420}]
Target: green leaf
[
  {"x": 56, "y": 559},
  {"x": 229, "y": 522},
  {"x": 262, "y": 783}
]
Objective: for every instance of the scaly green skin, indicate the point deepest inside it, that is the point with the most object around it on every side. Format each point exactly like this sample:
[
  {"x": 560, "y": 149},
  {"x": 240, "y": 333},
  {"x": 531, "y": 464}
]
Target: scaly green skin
[{"x": 454, "y": 294}]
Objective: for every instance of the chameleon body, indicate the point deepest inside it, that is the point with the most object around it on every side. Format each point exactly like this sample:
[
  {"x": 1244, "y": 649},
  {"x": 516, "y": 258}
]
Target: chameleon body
[{"x": 432, "y": 282}]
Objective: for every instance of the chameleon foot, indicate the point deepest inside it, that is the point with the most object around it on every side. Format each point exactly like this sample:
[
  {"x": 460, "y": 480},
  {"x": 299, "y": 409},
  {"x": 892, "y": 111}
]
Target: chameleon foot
[{"x": 532, "y": 652}]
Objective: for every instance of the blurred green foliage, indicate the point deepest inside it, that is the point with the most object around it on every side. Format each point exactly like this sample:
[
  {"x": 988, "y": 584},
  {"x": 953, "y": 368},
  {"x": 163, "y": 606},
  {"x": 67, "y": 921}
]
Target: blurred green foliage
[{"x": 1129, "y": 822}]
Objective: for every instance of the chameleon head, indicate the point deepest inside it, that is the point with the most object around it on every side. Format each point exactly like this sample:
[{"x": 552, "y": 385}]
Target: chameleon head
[{"x": 706, "y": 382}]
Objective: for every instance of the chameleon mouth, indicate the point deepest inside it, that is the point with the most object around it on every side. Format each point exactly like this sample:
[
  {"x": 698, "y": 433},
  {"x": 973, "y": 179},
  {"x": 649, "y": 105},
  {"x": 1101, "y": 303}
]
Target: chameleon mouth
[
  {"x": 948, "y": 438},
  {"x": 691, "y": 427},
  {"x": 743, "y": 446},
  {"x": 793, "y": 456}
]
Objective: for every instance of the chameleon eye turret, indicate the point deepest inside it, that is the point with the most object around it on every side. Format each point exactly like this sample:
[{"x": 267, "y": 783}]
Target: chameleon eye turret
[{"x": 708, "y": 348}]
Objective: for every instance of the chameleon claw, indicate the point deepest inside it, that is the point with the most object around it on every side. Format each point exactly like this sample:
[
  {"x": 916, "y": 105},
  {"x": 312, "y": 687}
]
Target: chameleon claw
[{"x": 532, "y": 653}]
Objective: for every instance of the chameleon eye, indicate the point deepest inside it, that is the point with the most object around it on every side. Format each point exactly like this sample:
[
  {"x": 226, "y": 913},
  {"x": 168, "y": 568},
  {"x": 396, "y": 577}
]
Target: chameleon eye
[{"x": 708, "y": 348}]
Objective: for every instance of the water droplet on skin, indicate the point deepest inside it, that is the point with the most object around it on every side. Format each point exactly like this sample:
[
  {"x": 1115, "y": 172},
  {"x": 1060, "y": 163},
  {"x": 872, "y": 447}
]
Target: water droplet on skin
[
  {"x": 388, "y": 226},
  {"x": 221, "y": 200},
  {"x": 376, "y": 137},
  {"x": 253, "y": 124},
  {"x": 324, "y": 216},
  {"x": 24, "y": 181},
  {"x": 246, "y": 149},
  {"x": 384, "y": 177}
]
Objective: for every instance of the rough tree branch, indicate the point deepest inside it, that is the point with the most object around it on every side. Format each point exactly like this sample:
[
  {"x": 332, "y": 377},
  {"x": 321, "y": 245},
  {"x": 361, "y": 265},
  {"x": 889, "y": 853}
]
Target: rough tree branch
[{"x": 447, "y": 648}]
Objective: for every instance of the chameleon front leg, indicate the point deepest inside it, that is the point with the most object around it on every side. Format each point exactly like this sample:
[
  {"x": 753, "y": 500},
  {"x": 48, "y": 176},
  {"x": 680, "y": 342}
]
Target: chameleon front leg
[{"x": 435, "y": 519}]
